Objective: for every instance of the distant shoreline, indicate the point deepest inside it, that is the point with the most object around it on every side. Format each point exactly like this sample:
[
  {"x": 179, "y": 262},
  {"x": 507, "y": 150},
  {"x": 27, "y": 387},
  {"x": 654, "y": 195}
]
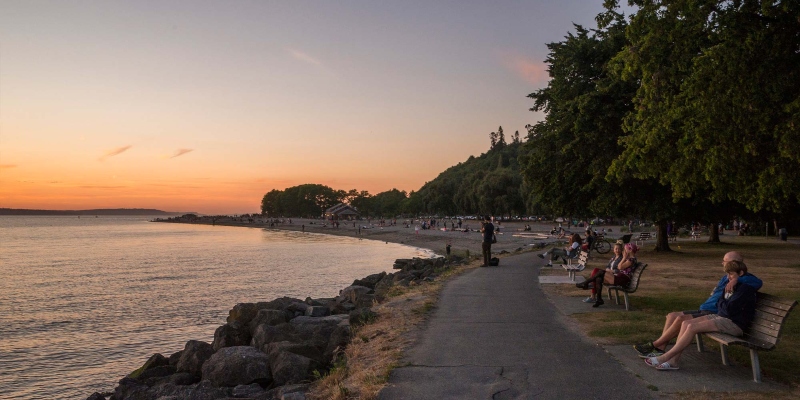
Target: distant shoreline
[{"x": 99, "y": 211}]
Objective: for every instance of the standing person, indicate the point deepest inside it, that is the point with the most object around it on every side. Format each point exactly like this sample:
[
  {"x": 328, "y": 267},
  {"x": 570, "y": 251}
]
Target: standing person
[{"x": 488, "y": 234}]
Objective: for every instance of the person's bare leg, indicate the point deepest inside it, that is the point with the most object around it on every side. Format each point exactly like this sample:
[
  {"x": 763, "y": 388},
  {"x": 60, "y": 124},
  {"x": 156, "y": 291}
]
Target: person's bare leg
[
  {"x": 685, "y": 337},
  {"x": 672, "y": 328}
]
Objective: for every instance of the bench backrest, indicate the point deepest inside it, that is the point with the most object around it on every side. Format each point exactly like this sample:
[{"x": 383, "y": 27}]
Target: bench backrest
[
  {"x": 771, "y": 312},
  {"x": 635, "y": 276},
  {"x": 583, "y": 258},
  {"x": 644, "y": 235}
]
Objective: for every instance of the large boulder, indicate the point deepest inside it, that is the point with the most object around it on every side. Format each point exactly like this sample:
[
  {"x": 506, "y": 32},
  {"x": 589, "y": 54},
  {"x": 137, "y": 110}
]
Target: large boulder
[
  {"x": 297, "y": 309},
  {"x": 247, "y": 391},
  {"x": 266, "y": 334},
  {"x": 280, "y": 303},
  {"x": 269, "y": 317},
  {"x": 241, "y": 314},
  {"x": 228, "y": 336},
  {"x": 318, "y": 311},
  {"x": 239, "y": 365},
  {"x": 303, "y": 349},
  {"x": 353, "y": 293},
  {"x": 369, "y": 281},
  {"x": 156, "y": 360},
  {"x": 286, "y": 392},
  {"x": 194, "y": 354},
  {"x": 318, "y": 332},
  {"x": 130, "y": 389},
  {"x": 175, "y": 357}
]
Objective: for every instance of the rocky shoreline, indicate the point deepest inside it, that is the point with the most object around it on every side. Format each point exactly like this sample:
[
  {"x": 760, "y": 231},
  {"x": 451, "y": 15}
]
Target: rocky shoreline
[{"x": 272, "y": 350}]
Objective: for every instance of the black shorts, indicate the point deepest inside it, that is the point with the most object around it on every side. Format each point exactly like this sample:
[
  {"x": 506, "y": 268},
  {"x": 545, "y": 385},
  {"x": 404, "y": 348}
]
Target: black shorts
[{"x": 697, "y": 313}]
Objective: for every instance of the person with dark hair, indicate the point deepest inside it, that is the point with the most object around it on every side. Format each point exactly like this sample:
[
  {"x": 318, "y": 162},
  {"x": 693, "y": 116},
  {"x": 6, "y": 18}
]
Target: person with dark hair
[
  {"x": 571, "y": 250},
  {"x": 487, "y": 228},
  {"x": 675, "y": 320},
  {"x": 735, "y": 311}
]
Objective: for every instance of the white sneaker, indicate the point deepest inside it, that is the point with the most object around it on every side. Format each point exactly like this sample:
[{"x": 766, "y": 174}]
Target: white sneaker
[{"x": 588, "y": 300}]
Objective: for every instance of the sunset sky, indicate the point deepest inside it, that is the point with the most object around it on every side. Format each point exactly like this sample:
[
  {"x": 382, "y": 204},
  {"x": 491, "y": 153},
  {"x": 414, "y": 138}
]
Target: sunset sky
[{"x": 206, "y": 105}]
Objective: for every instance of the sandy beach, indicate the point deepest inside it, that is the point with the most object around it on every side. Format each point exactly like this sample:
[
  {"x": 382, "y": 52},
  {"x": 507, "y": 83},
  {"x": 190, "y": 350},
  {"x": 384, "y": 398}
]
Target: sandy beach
[{"x": 511, "y": 238}]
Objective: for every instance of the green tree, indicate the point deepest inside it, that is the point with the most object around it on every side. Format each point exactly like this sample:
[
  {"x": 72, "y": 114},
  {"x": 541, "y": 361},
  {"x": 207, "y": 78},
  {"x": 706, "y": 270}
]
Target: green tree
[{"x": 715, "y": 115}]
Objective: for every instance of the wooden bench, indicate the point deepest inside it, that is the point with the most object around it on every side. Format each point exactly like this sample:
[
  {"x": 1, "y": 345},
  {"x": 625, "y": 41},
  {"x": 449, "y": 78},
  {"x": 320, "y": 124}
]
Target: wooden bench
[
  {"x": 578, "y": 266},
  {"x": 629, "y": 288},
  {"x": 695, "y": 235},
  {"x": 763, "y": 333},
  {"x": 642, "y": 237}
]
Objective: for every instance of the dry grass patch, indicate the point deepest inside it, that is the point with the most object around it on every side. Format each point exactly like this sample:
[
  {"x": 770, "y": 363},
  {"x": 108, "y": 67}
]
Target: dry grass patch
[
  {"x": 684, "y": 278},
  {"x": 377, "y": 347}
]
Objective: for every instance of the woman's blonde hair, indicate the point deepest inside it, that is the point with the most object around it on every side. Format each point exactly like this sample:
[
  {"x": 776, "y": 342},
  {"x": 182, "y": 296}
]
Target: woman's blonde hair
[{"x": 619, "y": 246}]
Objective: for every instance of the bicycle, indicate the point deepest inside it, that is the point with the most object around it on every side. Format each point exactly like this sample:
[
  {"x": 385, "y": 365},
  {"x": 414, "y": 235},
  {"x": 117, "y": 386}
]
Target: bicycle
[{"x": 601, "y": 245}]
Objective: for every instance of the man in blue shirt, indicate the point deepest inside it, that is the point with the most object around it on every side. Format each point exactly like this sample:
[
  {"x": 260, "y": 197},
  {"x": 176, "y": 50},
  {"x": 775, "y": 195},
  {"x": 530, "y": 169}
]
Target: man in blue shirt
[{"x": 674, "y": 319}]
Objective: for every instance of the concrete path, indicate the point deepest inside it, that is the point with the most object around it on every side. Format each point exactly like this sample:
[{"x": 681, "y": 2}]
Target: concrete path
[{"x": 495, "y": 335}]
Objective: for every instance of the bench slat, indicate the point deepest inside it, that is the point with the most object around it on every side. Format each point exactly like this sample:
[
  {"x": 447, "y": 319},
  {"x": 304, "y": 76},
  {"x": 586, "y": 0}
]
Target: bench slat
[
  {"x": 777, "y": 312},
  {"x": 758, "y": 338},
  {"x": 771, "y": 332},
  {"x": 769, "y": 318},
  {"x": 776, "y": 299},
  {"x": 761, "y": 302},
  {"x": 766, "y": 323}
]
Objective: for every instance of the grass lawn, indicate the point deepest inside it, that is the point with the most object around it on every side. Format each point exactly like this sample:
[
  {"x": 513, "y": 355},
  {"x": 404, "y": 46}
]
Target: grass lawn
[{"x": 684, "y": 278}]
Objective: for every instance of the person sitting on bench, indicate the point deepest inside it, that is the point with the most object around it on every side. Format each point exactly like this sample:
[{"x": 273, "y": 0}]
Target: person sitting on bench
[
  {"x": 675, "y": 320},
  {"x": 570, "y": 251},
  {"x": 735, "y": 311},
  {"x": 618, "y": 272}
]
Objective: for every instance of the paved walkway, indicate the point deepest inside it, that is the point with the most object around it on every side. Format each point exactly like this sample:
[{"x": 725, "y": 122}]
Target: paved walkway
[{"x": 495, "y": 335}]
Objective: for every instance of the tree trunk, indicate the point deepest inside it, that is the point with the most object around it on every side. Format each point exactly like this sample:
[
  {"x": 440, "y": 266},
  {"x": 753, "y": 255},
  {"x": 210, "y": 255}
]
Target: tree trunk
[
  {"x": 713, "y": 233},
  {"x": 662, "y": 241}
]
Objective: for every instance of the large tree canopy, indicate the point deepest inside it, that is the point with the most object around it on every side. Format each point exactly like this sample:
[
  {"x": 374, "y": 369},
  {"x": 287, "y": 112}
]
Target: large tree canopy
[{"x": 718, "y": 105}]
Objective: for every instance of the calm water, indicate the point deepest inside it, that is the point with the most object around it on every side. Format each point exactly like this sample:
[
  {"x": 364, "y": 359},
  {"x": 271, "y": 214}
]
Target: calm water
[{"x": 84, "y": 301}]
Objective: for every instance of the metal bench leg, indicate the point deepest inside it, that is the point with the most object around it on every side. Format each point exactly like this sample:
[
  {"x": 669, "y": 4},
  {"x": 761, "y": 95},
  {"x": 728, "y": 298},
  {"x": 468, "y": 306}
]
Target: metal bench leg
[
  {"x": 723, "y": 349},
  {"x": 756, "y": 366},
  {"x": 616, "y": 296},
  {"x": 627, "y": 303},
  {"x": 609, "y": 294},
  {"x": 699, "y": 339}
]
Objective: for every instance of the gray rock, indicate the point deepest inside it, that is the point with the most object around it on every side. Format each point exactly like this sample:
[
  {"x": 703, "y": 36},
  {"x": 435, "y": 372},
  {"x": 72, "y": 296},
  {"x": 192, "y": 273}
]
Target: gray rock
[
  {"x": 175, "y": 357},
  {"x": 239, "y": 365},
  {"x": 266, "y": 334},
  {"x": 156, "y": 360},
  {"x": 303, "y": 349},
  {"x": 201, "y": 391},
  {"x": 294, "y": 396},
  {"x": 157, "y": 372},
  {"x": 352, "y": 293},
  {"x": 338, "y": 340},
  {"x": 269, "y": 317},
  {"x": 183, "y": 378},
  {"x": 290, "y": 368},
  {"x": 227, "y": 336},
  {"x": 298, "y": 307},
  {"x": 317, "y": 311},
  {"x": 246, "y": 391},
  {"x": 278, "y": 304},
  {"x": 193, "y": 356},
  {"x": 369, "y": 281},
  {"x": 241, "y": 314},
  {"x": 281, "y": 391},
  {"x": 96, "y": 396}
]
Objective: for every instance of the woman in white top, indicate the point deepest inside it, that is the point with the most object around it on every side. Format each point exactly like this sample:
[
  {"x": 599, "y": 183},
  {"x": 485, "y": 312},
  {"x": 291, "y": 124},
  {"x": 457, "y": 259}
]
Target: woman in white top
[{"x": 571, "y": 250}]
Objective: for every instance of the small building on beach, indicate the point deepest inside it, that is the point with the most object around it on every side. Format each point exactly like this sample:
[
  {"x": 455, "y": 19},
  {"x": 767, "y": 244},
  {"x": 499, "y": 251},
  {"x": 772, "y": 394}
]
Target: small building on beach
[{"x": 341, "y": 211}]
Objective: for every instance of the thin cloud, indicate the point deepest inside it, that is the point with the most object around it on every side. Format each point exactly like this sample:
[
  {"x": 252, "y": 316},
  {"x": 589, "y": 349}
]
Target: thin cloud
[
  {"x": 181, "y": 152},
  {"x": 304, "y": 57},
  {"x": 8, "y": 166},
  {"x": 114, "y": 152},
  {"x": 529, "y": 70}
]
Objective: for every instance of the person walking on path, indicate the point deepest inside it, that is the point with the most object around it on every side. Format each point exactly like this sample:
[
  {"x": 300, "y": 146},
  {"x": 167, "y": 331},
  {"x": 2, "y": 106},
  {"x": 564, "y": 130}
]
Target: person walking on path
[
  {"x": 487, "y": 229},
  {"x": 675, "y": 320}
]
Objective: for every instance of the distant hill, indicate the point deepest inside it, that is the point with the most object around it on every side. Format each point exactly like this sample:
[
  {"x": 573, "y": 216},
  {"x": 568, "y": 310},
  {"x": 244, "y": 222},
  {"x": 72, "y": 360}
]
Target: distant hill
[{"x": 99, "y": 211}]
